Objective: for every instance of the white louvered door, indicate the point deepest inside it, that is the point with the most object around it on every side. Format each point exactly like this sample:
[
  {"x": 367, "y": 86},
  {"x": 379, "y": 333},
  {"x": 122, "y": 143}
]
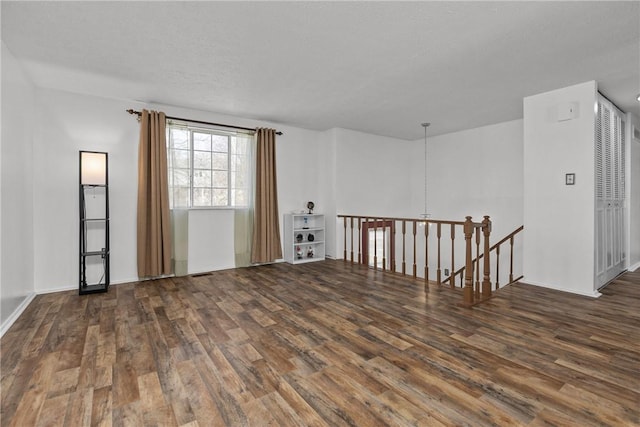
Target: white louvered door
[{"x": 610, "y": 192}]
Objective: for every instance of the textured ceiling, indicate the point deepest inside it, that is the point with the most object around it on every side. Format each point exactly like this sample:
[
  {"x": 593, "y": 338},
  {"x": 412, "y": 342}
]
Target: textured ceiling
[{"x": 377, "y": 67}]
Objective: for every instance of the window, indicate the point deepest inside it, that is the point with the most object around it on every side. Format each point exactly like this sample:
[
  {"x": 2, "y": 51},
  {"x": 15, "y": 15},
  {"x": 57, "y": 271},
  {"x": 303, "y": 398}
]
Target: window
[{"x": 207, "y": 167}]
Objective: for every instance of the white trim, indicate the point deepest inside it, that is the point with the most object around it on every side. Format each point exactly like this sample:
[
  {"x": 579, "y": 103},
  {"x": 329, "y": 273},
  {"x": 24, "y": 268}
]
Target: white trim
[
  {"x": 634, "y": 267},
  {"x": 16, "y": 313},
  {"x": 71, "y": 288},
  {"x": 594, "y": 294}
]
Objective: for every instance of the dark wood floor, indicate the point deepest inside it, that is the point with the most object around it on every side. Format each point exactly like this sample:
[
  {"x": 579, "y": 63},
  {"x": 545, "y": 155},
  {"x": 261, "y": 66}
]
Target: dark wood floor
[{"x": 322, "y": 344}]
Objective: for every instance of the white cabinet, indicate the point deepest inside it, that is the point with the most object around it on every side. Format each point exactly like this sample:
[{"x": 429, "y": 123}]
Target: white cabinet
[
  {"x": 304, "y": 236},
  {"x": 610, "y": 195}
]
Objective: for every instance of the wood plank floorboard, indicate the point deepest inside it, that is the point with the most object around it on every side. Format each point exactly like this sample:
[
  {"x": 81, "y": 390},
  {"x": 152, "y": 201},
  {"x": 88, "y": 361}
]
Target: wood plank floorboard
[{"x": 322, "y": 344}]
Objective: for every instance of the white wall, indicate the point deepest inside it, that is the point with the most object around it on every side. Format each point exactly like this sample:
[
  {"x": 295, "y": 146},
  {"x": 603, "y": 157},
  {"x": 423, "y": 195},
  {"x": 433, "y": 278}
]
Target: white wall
[
  {"x": 373, "y": 174},
  {"x": 68, "y": 123},
  {"x": 559, "y": 219},
  {"x": 372, "y": 177},
  {"x": 343, "y": 171},
  {"x": 16, "y": 268},
  {"x": 327, "y": 188},
  {"x": 474, "y": 172},
  {"x": 72, "y": 122},
  {"x": 211, "y": 238}
]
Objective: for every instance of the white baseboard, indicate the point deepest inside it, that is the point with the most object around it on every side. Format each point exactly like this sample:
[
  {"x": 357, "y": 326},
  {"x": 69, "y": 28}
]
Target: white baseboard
[
  {"x": 75, "y": 287},
  {"x": 634, "y": 267},
  {"x": 593, "y": 294},
  {"x": 16, "y": 313}
]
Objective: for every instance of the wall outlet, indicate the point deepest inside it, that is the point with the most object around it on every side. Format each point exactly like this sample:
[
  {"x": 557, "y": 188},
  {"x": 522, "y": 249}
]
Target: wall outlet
[{"x": 446, "y": 271}]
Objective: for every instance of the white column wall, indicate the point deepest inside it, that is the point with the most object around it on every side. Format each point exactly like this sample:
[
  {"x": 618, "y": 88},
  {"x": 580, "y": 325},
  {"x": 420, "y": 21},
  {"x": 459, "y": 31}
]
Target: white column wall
[{"x": 559, "y": 218}]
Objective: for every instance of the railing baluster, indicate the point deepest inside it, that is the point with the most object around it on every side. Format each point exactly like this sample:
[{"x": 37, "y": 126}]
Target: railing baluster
[
  {"x": 404, "y": 232},
  {"x": 438, "y": 271},
  {"x": 375, "y": 243},
  {"x": 497, "y": 267},
  {"x": 384, "y": 247},
  {"x": 351, "y": 240},
  {"x": 477, "y": 267},
  {"x": 511, "y": 261},
  {"x": 392, "y": 241},
  {"x": 365, "y": 238},
  {"x": 452, "y": 282},
  {"x": 345, "y": 239},
  {"x": 426, "y": 252},
  {"x": 359, "y": 239},
  {"x": 414, "y": 250}
]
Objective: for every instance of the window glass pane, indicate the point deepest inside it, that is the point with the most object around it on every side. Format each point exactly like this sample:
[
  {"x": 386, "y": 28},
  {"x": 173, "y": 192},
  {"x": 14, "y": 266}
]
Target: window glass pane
[
  {"x": 179, "y": 139},
  {"x": 240, "y": 145},
  {"x": 180, "y": 177},
  {"x": 220, "y": 179},
  {"x": 220, "y": 161},
  {"x": 220, "y": 143},
  {"x": 201, "y": 197},
  {"x": 220, "y": 197},
  {"x": 201, "y": 141},
  {"x": 201, "y": 178},
  {"x": 201, "y": 160},
  {"x": 239, "y": 197},
  {"x": 180, "y": 158}
]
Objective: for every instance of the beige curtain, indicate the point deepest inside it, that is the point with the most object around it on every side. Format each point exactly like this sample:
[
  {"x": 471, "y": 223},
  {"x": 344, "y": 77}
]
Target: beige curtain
[
  {"x": 266, "y": 222},
  {"x": 154, "y": 223}
]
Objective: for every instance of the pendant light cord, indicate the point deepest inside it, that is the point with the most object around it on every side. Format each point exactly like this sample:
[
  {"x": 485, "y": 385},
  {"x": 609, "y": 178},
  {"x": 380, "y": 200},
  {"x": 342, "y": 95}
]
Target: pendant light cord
[{"x": 425, "y": 126}]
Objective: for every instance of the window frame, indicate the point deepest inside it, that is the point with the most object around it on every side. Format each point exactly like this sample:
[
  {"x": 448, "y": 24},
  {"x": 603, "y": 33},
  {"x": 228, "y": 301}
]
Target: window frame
[{"x": 213, "y": 131}]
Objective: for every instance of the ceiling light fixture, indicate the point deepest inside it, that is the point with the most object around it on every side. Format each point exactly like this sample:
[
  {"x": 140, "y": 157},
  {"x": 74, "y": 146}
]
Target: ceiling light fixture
[
  {"x": 638, "y": 97},
  {"x": 425, "y": 214}
]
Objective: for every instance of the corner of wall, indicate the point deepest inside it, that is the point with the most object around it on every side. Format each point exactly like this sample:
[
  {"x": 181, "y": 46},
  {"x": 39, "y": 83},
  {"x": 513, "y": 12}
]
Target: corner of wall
[{"x": 16, "y": 196}]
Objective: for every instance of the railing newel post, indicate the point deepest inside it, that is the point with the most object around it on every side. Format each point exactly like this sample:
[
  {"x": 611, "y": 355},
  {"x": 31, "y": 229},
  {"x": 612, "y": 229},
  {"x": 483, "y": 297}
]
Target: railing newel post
[
  {"x": 486, "y": 279},
  {"x": 468, "y": 271}
]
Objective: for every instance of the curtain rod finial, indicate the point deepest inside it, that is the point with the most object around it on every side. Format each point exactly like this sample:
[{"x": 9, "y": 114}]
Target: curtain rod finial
[{"x": 137, "y": 113}]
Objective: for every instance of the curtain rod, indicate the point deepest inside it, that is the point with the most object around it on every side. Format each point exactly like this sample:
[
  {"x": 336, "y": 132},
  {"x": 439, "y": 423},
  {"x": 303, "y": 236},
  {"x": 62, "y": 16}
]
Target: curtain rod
[{"x": 138, "y": 113}]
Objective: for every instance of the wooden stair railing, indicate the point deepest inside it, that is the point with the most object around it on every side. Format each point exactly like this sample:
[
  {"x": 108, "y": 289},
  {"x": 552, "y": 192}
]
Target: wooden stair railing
[
  {"x": 495, "y": 248},
  {"x": 473, "y": 292}
]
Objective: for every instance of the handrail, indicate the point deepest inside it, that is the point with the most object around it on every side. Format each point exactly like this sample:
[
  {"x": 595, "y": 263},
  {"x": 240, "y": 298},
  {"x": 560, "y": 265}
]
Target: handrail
[
  {"x": 496, "y": 246},
  {"x": 392, "y": 218}
]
